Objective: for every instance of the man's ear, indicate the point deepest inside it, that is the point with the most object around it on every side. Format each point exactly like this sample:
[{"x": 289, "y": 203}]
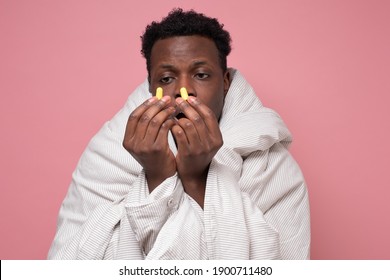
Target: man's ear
[{"x": 226, "y": 81}]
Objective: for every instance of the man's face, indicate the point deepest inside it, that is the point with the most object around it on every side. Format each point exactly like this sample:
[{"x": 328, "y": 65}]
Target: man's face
[{"x": 191, "y": 62}]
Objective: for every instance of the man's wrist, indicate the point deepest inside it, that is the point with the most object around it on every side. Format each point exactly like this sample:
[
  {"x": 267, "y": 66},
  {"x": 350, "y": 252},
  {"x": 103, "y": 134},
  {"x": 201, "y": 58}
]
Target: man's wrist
[
  {"x": 195, "y": 187},
  {"x": 154, "y": 180}
]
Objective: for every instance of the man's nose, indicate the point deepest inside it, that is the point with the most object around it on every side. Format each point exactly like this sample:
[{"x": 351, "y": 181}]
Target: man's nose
[{"x": 186, "y": 84}]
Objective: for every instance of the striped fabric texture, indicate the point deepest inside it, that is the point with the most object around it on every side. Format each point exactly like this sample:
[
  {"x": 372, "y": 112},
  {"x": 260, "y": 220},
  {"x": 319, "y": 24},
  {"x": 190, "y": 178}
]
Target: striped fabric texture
[{"x": 256, "y": 203}]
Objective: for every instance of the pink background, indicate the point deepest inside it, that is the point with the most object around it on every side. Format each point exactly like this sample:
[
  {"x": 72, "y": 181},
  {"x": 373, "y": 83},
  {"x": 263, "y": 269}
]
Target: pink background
[{"x": 67, "y": 66}]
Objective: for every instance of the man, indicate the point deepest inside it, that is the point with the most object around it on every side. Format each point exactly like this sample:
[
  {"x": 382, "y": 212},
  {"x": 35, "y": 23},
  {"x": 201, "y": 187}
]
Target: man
[{"x": 204, "y": 178}]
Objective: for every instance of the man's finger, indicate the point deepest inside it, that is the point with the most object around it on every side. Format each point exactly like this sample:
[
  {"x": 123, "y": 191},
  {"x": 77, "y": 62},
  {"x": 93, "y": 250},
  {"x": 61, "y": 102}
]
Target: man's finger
[
  {"x": 159, "y": 124},
  {"x": 136, "y": 115},
  {"x": 148, "y": 115},
  {"x": 206, "y": 114}
]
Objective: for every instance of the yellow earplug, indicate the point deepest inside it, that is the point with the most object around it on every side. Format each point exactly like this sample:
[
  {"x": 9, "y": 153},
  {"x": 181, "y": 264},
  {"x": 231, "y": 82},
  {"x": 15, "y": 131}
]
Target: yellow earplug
[
  {"x": 184, "y": 93},
  {"x": 159, "y": 93}
]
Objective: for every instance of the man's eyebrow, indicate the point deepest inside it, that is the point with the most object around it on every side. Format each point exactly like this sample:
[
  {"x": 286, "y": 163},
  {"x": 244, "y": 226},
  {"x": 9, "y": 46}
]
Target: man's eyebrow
[
  {"x": 193, "y": 64},
  {"x": 199, "y": 63},
  {"x": 166, "y": 66}
]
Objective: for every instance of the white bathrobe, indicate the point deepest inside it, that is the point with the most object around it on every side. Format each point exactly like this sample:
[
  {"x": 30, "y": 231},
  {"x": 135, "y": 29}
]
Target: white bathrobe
[{"x": 256, "y": 202}]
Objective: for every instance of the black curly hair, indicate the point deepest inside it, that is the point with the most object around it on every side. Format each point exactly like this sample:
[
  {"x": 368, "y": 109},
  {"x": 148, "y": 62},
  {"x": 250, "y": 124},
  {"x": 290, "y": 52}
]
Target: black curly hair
[{"x": 186, "y": 23}]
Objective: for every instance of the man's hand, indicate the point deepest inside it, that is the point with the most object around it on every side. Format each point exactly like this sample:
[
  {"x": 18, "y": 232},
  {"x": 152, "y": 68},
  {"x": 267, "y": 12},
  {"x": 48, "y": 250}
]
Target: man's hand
[
  {"x": 146, "y": 139},
  {"x": 198, "y": 138}
]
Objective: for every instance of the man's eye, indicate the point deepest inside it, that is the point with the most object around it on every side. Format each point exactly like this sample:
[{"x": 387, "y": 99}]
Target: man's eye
[
  {"x": 166, "y": 80},
  {"x": 202, "y": 76}
]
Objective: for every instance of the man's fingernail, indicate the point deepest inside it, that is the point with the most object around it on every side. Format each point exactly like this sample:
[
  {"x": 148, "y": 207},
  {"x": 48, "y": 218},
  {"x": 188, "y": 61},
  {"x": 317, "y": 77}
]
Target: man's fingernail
[
  {"x": 150, "y": 100},
  {"x": 192, "y": 99},
  {"x": 165, "y": 98},
  {"x": 179, "y": 100}
]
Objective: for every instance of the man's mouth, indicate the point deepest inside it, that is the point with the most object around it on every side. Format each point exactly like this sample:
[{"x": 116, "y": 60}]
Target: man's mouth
[{"x": 180, "y": 115}]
